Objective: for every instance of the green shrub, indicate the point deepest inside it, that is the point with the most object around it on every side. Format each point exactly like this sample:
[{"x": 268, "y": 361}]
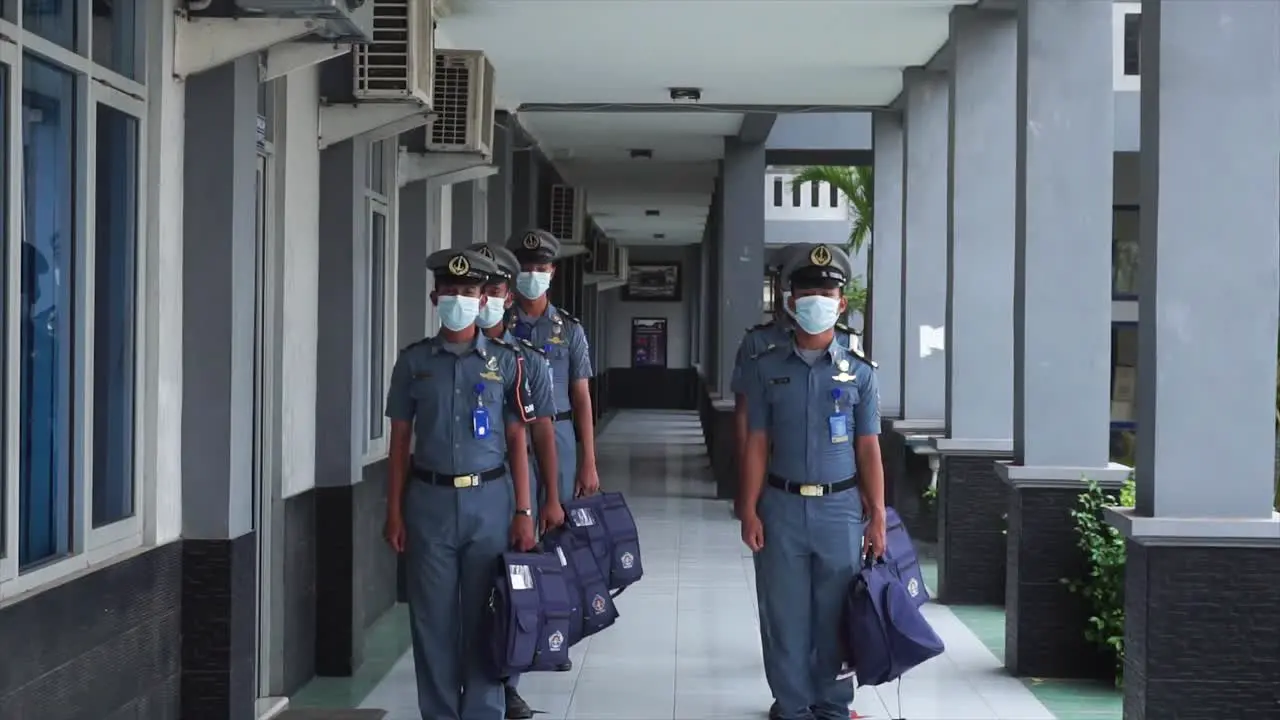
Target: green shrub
[{"x": 1103, "y": 585}]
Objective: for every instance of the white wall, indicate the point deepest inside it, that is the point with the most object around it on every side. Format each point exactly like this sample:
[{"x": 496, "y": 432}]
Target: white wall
[{"x": 298, "y": 169}]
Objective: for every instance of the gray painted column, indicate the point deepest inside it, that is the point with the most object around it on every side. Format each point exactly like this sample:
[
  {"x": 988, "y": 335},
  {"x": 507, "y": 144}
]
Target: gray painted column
[
  {"x": 981, "y": 192},
  {"x": 467, "y": 216},
  {"x": 498, "y": 187},
  {"x": 886, "y": 262},
  {"x": 1210, "y": 137},
  {"x": 413, "y": 282},
  {"x": 1062, "y": 300},
  {"x": 924, "y": 248},
  {"x": 526, "y": 177},
  {"x": 741, "y": 266},
  {"x": 219, "y": 267},
  {"x": 339, "y": 360}
]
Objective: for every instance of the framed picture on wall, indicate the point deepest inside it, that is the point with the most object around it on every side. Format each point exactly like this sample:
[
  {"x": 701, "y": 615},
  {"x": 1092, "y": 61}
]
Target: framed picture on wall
[
  {"x": 648, "y": 342},
  {"x": 652, "y": 282}
]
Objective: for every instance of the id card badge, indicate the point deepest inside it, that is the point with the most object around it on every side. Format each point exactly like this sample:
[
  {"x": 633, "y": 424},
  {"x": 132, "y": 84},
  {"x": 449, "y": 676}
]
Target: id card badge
[
  {"x": 839, "y": 427},
  {"x": 480, "y": 422}
]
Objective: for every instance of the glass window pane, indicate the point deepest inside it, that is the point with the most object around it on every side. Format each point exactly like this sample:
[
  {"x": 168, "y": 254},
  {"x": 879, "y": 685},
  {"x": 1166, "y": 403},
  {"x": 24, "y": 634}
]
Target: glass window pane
[
  {"x": 115, "y": 35},
  {"x": 1124, "y": 253},
  {"x": 48, "y": 270},
  {"x": 53, "y": 20},
  {"x": 378, "y": 167},
  {"x": 115, "y": 236},
  {"x": 377, "y": 319},
  {"x": 1124, "y": 370}
]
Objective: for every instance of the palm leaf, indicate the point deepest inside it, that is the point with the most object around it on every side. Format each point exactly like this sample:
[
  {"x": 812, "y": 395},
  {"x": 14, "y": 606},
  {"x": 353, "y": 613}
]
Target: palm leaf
[{"x": 857, "y": 185}]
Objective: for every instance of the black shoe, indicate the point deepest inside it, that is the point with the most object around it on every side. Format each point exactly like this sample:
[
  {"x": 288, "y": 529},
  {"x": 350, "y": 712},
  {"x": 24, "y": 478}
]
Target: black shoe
[
  {"x": 566, "y": 667},
  {"x": 774, "y": 712},
  {"x": 517, "y": 708}
]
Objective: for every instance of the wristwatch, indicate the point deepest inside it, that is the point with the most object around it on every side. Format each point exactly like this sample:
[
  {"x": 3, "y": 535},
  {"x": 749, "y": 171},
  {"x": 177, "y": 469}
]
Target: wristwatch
[{"x": 525, "y": 512}]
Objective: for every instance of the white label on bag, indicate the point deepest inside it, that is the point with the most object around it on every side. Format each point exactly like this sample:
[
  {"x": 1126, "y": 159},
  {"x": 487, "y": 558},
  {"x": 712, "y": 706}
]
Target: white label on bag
[
  {"x": 563, "y": 561},
  {"x": 521, "y": 577}
]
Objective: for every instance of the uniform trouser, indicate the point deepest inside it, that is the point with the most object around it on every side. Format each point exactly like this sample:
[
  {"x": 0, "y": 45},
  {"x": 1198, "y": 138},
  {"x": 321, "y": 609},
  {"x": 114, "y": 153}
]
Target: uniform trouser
[
  {"x": 567, "y": 467},
  {"x": 811, "y": 552},
  {"x": 453, "y": 540}
]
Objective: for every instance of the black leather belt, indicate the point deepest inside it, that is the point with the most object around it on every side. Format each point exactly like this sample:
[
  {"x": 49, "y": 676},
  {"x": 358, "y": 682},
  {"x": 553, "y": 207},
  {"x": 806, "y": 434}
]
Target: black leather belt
[
  {"x": 458, "y": 481},
  {"x": 811, "y": 489},
  {"x": 566, "y": 415}
]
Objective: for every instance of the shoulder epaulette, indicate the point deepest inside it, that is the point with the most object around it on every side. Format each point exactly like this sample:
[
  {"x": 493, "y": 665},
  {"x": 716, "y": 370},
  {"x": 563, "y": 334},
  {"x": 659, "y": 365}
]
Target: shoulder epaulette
[
  {"x": 568, "y": 317},
  {"x": 531, "y": 346},
  {"x": 761, "y": 326},
  {"x": 765, "y": 351},
  {"x": 857, "y": 354},
  {"x": 502, "y": 344},
  {"x": 413, "y": 345}
]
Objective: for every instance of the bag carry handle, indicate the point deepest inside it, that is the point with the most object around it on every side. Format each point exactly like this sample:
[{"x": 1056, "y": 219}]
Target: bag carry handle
[{"x": 872, "y": 559}]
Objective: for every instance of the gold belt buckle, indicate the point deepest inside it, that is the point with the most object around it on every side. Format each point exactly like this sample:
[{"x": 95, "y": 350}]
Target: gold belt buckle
[
  {"x": 812, "y": 490},
  {"x": 466, "y": 481}
]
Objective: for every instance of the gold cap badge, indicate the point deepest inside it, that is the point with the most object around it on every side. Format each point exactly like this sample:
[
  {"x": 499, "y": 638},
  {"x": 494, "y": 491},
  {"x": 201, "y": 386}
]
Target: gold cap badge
[
  {"x": 458, "y": 266},
  {"x": 485, "y": 252},
  {"x": 820, "y": 256},
  {"x": 532, "y": 241}
]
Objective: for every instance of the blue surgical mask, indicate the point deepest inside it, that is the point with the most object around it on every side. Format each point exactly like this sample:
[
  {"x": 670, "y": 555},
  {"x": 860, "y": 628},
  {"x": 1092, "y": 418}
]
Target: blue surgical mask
[
  {"x": 532, "y": 285},
  {"x": 786, "y": 304},
  {"x": 491, "y": 313},
  {"x": 458, "y": 311},
  {"x": 817, "y": 314}
]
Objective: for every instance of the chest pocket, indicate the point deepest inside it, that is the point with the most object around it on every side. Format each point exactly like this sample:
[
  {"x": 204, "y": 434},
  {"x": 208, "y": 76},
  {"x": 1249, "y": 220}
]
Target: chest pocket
[
  {"x": 492, "y": 394},
  {"x": 849, "y": 396},
  {"x": 425, "y": 386}
]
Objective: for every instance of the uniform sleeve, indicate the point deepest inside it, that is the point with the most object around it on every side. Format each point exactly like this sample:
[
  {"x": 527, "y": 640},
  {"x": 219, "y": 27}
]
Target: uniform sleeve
[
  {"x": 753, "y": 386},
  {"x": 519, "y": 407},
  {"x": 736, "y": 382},
  {"x": 579, "y": 355},
  {"x": 400, "y": 404},
  {"x": 538, "y": 373},
  {"x": 866, "y": 415}
]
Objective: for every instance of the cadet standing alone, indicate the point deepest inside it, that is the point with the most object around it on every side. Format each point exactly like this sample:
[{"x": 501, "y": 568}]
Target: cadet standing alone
[
  {"x": 464, "y": 397},
  {"x": 812, "y": 495},
  {"x": 561, "y": 336}
]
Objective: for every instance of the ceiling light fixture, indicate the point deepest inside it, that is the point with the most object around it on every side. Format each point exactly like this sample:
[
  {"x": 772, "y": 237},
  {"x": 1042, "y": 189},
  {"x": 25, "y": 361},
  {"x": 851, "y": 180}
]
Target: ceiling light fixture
[
  {"x": 652, "y": 213},
  {"x": 641, "y": 154},
  {"x": 659, "y": 236},
  {"x": 685, "y": 94}
]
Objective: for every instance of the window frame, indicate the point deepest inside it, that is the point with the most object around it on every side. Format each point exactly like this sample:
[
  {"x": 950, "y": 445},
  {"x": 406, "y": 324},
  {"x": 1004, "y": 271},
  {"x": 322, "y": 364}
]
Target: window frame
[
  {"x": 1116, "y": 212},
  {"x": 94, "y": 85},
  {"x": 376, "y": 449},
  {"x": 1122, "y": 82}
]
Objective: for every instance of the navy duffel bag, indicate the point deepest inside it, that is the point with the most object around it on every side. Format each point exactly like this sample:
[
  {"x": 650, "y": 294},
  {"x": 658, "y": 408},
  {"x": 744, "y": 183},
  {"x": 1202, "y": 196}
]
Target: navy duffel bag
[
  {"x": 593, "y": 608},
  {"x": 604, "y": 523},
  {"x": 531, "y": 614},
  {"x": 900, "y": 555},
  {"x": 884, "y": 628}
]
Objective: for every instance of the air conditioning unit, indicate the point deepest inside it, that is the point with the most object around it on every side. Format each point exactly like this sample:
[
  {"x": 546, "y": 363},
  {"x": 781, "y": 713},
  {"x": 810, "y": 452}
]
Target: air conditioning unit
[
  {"x": 462, "y": 102},
  {"x": 341, "y": 20},
  {"x": 621, "y": 264},
  {"x": 568, "y": 219},
  {"x": 604, "y": 258},
  {"x": 398, "y": 62}
]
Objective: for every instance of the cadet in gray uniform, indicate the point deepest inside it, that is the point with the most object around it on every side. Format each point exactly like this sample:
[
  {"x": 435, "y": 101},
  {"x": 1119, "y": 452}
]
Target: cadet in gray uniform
[
  {"x": 450, "y": 509},
  {"x": 813, "y": 414},
  {"x": 491, "y": 321}
]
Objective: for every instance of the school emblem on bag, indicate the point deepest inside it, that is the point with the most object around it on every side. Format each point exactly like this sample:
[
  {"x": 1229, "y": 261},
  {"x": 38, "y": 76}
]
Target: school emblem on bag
[
  {"x": 628, "y": 560},
  {"x": 459, "y": 266},
  {"x": 597, "y": 604},
  {"x": 556, "y": 641},
  {"x": 913, "y": 587}
]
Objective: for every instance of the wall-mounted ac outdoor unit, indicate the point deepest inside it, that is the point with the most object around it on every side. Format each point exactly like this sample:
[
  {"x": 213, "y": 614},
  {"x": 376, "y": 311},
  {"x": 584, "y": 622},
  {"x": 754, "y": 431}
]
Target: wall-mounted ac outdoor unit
[
  {"x": 338, "y": 20},
  {"x": 621, "y": 264},
  {"x": 462, "y": 101},
  {"x": 568, "y": 219},
  {"x": 382, "y": 88},
  {"x": 602, "y": 264}
]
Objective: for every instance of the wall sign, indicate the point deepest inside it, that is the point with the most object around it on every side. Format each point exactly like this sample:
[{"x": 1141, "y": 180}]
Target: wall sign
[{"x": 648, "y": 342}]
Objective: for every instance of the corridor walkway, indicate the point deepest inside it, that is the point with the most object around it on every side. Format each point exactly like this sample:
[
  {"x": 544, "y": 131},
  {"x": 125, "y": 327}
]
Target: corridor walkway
[{"x": 687, "y": 646}]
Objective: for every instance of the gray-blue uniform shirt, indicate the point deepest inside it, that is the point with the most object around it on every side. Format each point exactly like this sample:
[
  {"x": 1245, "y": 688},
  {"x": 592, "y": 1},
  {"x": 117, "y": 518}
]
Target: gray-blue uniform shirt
[
  {"x": 798, "y": 401},
  {"x": 538, "y": 372},
  {"x": 561, "y": 337},
  {"x": 439, "y": 388},
  {"x": 766, "y": 336}
]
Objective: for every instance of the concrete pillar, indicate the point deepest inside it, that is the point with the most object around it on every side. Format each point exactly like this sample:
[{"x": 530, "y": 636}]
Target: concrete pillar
[
  {"x": 1204, "y": 533},
  {"x": 413, "y": 282},
  {"x": 1062, "y": 325},
  {"x": 924, "y": 251},
  {"x": 741, "y": 265},
  {"x": 469, "y": 213},
  {"x": 498, "y": 187},
  {"x": 219, "y": 305},
  {"x": 981, "y": 145},
  {"x": 526, "y": 181},
  {"x": 885, "y": 331}
]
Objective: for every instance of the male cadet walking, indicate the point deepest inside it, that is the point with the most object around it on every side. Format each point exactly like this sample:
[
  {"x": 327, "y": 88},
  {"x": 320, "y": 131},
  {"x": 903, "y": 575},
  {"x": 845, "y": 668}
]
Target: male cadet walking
[
  {"x": 465, "y": 399},
  {"x": 492, "y": 321},
  {"x": 498, "y": 292},
  {"x": 561, "y": 336},
  {"x": 813, "y": 414}
]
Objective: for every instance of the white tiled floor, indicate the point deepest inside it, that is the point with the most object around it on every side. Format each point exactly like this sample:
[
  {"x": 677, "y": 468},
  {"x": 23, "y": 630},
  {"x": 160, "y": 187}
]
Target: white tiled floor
[{"x": 687, "y": 645}]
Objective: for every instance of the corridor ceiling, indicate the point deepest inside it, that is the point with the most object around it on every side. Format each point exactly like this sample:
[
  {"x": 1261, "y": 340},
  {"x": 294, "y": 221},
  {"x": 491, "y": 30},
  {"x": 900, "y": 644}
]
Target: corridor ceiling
[{"x": 590, "y": 81}]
